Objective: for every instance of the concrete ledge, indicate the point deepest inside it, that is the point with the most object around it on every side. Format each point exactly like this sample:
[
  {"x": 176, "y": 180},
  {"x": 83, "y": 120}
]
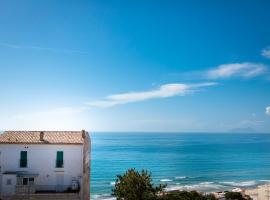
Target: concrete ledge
[{"x": 44, "y": 196}]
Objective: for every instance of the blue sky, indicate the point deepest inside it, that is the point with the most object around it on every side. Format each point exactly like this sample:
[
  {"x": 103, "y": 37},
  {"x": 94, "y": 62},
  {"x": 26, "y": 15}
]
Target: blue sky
[{"x": 135, "y": 65}]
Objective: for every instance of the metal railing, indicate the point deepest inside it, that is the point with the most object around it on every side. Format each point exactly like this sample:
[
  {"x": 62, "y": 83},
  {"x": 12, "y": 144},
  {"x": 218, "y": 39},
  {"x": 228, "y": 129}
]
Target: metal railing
[
  {"x": 25, "y": 189},
  {"x": 30, "y": 189}
]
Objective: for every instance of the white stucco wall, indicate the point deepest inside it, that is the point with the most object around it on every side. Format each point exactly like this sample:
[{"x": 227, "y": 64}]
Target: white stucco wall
[
  {"x": 8, "y": 189},
  {"x": 42, "y": 160}
]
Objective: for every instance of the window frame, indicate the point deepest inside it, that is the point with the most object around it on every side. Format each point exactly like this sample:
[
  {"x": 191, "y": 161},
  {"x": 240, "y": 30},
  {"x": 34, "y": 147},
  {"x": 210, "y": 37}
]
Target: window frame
[
  {"x": 25, "y": 183},
  {"x": 9, "y": 181},
  {"x": 59, "y": 159},
  {"x": 23, "y": 159}
]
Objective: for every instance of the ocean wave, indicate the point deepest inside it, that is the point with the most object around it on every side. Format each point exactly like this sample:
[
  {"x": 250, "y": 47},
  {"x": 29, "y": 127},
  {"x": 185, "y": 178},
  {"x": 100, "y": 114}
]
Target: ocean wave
[
  {"x": 202, "y": 187},
  {"x": 236, "y": 190},
  {"x": 239, "y": 184},
  {"x": 264, "y": 180},
  {"x": 165, "y": 180},
  {"x": 112, "y": 183},
  {"x": 102, "y": 197},
  {"x": 181, "y": 177}
]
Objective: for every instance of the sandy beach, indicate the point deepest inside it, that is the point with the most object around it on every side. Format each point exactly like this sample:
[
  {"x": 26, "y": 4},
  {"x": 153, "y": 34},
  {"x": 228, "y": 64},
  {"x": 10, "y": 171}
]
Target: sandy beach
[{"x": 261, "y": 192}]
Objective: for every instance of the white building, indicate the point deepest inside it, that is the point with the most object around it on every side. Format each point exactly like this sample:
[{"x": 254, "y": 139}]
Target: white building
[{"x": 33, "y": 162}]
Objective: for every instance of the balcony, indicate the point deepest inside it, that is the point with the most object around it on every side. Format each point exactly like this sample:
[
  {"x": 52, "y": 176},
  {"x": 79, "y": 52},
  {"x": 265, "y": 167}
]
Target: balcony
[
  {"x": 31, "y": 189},
  {"x": 25, "y": 189}
]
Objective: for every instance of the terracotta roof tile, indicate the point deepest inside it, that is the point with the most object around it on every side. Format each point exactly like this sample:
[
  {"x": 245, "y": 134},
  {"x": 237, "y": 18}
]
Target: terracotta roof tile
[{"x": 33, "y": 137}]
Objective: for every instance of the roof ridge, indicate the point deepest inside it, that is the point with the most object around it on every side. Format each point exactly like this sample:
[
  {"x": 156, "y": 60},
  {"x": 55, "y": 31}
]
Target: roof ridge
[
  {"x": 39, "y": 131},
  {"x": 49, "y": 137}
]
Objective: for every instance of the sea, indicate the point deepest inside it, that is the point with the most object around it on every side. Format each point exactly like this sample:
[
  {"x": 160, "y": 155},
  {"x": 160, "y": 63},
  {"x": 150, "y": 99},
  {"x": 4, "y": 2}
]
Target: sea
[{"x": 205, "y": 162}]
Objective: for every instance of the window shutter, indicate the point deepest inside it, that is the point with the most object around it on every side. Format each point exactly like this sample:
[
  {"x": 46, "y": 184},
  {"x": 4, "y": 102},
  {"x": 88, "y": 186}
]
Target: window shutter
[
  {"x": 23, "y": 160},
  {"x": 24, "y": 155},
  {"x": 60, "y": 155},
  {"x": 60, "y": 159}
]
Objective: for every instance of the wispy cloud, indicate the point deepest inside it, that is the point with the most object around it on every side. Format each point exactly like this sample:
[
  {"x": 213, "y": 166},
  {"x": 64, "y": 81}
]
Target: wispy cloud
[
  {"x": 243, "y": 70},
  {"x": 267, "y": 110},
  {"x": 266, "y": 52},
  {"x": 57, "y": 112},
  {"x": 246, "y": 70},
  {"x": 164, "y": 91},
  {"x": 38, "y": 48}
]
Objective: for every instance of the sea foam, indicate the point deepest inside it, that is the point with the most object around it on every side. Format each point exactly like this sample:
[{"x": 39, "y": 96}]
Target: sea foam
[
  {"x": 240, "y": 184},
  {"x": 181, "y": 177},
  {"x": 202, "y": 187},
  {"x": 166, "y": 180},
  {"x": 112, "y": 183},
  {"x": 102, "y": 197}
]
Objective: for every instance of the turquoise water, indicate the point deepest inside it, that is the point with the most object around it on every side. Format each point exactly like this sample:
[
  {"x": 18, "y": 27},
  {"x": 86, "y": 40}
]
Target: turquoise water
[{"x": 204, "y": 162}]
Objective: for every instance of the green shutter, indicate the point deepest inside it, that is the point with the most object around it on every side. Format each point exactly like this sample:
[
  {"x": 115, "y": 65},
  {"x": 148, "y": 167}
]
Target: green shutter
[
  {"x": 23, "y": 160},
  {"x": 60, "y": 155},
  {"x": 24, "y": 155},
  {"x": 60, "y": 159}
]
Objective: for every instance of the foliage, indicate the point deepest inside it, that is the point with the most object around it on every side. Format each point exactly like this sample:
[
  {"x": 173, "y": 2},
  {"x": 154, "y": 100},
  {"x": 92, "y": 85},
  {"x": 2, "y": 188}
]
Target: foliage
[
  {"x": 234, "y": 196},
  {"x": 184, "y": 195},
  {"x": 134, "y": 185},
  {"x": 210, "y": 197}
]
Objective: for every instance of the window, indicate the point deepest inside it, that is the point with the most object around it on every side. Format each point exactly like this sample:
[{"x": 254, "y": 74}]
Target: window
[
  {"x": 31, "y": 181},
  {"x": 9, "y": 182},
  {"x": 25, "y": 181},
  {"x": 23, "y": 160},
  {"x": 60, "y": 159}
]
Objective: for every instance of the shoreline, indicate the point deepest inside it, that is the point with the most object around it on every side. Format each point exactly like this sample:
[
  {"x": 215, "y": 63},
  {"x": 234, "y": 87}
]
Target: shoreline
[
  {"x": 260, "y": 192},
  {"x": 256, "y": 192}
]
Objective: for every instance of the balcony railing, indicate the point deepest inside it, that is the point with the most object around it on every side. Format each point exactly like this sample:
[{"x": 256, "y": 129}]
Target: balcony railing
[
  {"x": 30, "y": 189},
  {"x": 25, "y": 189}
]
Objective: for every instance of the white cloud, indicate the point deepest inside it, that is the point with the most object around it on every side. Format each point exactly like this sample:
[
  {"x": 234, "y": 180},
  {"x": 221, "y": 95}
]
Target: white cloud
[
  {"x": 164, "y": 91},
  {"x": 73, "y": 118},
  {"x": 267, "y": 110},
  {"x": 244, "y": 70},
  {"x": 266, "y": 52},
  {"x": 15, "y": 46}
]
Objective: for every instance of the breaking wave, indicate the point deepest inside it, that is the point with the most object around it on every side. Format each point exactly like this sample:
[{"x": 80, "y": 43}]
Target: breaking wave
[
  {"x": 112, "y": 183},
  {"x": 206, "y": 186},
  {"x": 181, "y": 177},
  {"x": 202, "y": 187},
  {"x": 240, "y": 184},
  {"x": 166, "y": 180},
  {"x": 102, "y": 197}
]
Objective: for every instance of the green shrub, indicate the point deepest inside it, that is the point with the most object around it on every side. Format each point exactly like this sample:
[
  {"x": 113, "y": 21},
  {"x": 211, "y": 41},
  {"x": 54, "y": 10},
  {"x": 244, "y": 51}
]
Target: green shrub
[
  {"x": 210, "y": 197},
  {"x": 234, "y": 196},
  {"x": 184, "y": 195},
  {"x": 134, "y": 185}
]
